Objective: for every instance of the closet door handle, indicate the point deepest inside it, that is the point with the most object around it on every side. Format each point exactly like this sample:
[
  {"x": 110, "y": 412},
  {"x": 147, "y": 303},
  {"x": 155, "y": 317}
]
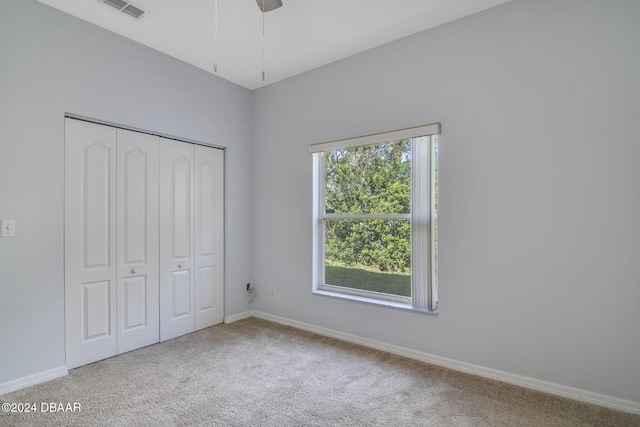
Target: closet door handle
[
  {"x": 134, "y": 270},
  {"x": 180, "y": 265}
]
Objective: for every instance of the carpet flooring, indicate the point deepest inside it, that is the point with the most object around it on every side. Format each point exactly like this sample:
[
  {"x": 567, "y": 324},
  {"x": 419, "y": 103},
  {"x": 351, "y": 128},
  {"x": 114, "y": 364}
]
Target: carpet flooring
[{"x": 258, "y": 373}]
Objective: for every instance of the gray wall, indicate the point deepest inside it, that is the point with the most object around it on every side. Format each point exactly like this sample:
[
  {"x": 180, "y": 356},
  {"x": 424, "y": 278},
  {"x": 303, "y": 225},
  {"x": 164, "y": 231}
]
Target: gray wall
[
  {"x": 539, "y": 188},
  {"x": 52, "y": 63}
]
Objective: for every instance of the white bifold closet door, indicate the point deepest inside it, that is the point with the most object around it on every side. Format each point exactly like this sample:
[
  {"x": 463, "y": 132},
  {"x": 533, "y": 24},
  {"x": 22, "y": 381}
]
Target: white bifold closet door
[
  {"x": 144, "y": 240},
  {"x": 138, "y": 289},
  {"x": 191, "y": 238},
  {"x": 111, "y": 241},
  {"x": 90, "y": 242},
  {"x": 176, "y": 240},
  {"x": 209, "y": 237}
]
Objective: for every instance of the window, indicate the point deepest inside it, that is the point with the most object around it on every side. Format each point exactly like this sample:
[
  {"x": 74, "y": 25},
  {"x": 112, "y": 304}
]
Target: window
[{"x": 375, "y": 218}]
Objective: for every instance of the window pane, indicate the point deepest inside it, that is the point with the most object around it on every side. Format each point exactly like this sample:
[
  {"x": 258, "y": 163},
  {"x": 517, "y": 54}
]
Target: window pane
[
  {"x": 373, "y": 255},
  {"x": 371, "y": 179}
]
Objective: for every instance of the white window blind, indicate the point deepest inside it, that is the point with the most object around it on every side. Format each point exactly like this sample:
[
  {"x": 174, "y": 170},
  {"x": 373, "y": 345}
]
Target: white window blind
[{"x": 413, "y": 132}]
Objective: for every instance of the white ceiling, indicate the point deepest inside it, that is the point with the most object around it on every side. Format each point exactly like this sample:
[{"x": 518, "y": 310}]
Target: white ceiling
[{"x": 299, "y": 36}]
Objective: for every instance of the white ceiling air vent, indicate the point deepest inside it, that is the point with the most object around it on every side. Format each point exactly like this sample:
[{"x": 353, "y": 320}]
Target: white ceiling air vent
[{"x": 125, "y": 7}]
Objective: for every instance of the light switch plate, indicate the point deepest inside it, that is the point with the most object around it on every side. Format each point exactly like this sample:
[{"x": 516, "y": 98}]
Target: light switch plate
[{"x": 8, "y": 228}]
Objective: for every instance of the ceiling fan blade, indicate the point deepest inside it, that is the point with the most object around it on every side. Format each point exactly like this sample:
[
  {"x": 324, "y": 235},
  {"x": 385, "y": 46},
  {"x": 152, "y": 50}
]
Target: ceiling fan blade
[{"x": 267, "y": 5}]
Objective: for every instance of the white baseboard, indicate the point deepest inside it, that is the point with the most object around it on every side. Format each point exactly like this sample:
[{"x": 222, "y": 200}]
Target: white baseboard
[
  {"x": 519, "y": 380},
  {"x": 239, "y": 316},
  {"x": 506, "y": 377},
  {"x": 33, "y": 379}
]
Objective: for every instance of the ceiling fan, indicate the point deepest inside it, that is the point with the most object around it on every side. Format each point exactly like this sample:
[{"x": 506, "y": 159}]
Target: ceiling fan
[{"x": 268, "y": 5}]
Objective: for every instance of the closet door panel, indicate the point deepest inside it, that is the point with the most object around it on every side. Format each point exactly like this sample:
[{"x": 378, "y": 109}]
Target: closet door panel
[
  {"x": 135, "y": 308},
  {"x": 138, "y": 241},
  {"x": 209, "y": 236},
  {"x": 95, "y": 310},
  {"x": 90, "y": 242},
  {"x": 176, "y": 239},
  {"x": 181, "y": 294}
]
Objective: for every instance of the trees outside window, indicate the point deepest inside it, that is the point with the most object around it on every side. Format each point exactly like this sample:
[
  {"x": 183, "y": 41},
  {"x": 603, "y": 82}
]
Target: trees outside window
[
  {"x": 368, "y": 228},
  {"x": 375, "y": 229}
]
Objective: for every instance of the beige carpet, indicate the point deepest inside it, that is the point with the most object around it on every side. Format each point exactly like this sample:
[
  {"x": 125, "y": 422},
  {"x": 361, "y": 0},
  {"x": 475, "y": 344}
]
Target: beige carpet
[{"x": 257, "y": 373}]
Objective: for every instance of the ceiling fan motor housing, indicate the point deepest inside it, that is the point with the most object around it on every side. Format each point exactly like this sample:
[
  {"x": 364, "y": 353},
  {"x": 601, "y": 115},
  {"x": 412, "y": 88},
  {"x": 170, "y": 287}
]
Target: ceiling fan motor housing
[{"x": 268, "y": 5}]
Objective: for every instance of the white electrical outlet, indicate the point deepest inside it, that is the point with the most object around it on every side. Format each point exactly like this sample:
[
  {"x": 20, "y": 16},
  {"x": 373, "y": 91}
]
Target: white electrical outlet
[
  {"x": 8, "y": 228},
  {"x": 273, "y": 290}
]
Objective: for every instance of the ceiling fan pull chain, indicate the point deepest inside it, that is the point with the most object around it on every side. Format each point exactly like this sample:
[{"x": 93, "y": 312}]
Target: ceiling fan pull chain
[
  {"x": 263, "y": 12},
  {"x": 215, "y": 42}
]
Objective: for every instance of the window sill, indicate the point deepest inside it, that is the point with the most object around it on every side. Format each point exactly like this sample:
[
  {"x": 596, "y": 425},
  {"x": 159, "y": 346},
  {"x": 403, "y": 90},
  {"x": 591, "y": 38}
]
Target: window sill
[{"x": 375, "y": 301}]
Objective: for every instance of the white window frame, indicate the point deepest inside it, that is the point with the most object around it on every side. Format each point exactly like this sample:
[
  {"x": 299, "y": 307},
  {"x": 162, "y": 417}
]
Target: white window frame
[{"x": 424, "y": 283}]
